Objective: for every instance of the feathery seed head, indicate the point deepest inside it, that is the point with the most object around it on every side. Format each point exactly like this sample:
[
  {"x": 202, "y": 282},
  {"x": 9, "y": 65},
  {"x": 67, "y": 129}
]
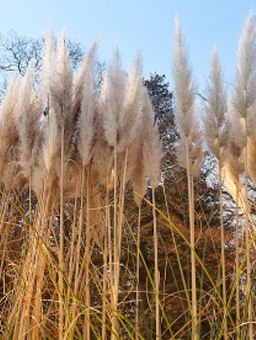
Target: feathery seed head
[
  {"x": 87, "y": 66},
  {"x": 112, "y": 98},
  {"x": 237, "y": 127},
  {"x": 195, "y": 153},
  {"x": 185, "y": 111},
  {"x": 235, "y": 159},
  {"x": 139, "y": 182},
  {"x": 216, "y": 92},
  {"x": 102, "y": 160},
  {"x": 244, "y": 98},
  {"x": 232, "y": 184},
  {"x": 61, "y": 85},
  {"x": 130, "y": 121},
  {"x": 48, "y": 61},
  {"x": 86, "y": 120},
  {"x": 28, "y": 124},
  {"x": 8, "y": 123},
  {"x": 215, "y": 123},
  {"x": 52, "y": 142},
  {"x": 184, "y": 86}
]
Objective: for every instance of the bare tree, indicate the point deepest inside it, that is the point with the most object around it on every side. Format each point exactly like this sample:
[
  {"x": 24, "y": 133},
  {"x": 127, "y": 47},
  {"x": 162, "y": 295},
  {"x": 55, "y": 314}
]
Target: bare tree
[{"x": 17, "y": 50}]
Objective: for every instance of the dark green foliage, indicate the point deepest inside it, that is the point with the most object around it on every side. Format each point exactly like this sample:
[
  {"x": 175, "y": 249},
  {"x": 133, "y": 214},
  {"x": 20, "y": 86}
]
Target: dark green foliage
[{"x": 162, "y": 101}]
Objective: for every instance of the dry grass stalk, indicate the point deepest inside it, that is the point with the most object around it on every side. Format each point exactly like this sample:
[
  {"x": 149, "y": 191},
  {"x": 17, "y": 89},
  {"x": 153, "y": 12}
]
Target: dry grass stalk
[
  {"x": 112, "y": 97},
  {"x": 85, "y": 142},
  {"x": 190, "y": 153},
  {"x": 152, "y": 155},
  {"x": 244, "y": 108},
  {"x": 58, "y": 93},
  {"x": 136, "y": 171},
  {"x": 233, "y": 169},
  {"x": 61, "y": 104},
  {"x": 216, "y": 135}
]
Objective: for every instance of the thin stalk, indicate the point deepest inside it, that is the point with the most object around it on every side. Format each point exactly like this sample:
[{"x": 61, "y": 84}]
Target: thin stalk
[
  {"x": 83, "y": 273},
  {"x": 26, "y": 228},
  {"x": 192, "y": 242},
  {"x": 74, "y": 234},
  {"x": 138, "y": 277},
  {"x": 61, "y": 250},
  {"x": 223, "y": 262},
  {"x": 4, "y": 237},
  {"x": 104, "y": 288},
  {"x": 110, "y": 245},
  {"x": 30, "y": 196},
  {"x": 118, "y": 237},
  {"x": 39, "y": 285},
  {"x": 115, "y": 269},
  {"x": 157, "y": 273},
  {"x": 178, "y": 256},
  {"x": 87, "y": 333},
  {"x": 30, "y": 270},
  {"x": 43, "y": 229},
  {"x": 72, "y": 256},
  {"x": 247, "y": 237},
  {"x": 78, "y": 246},
  {"x": 238, "y": 317},
  {"x": 120, "y": 217}
]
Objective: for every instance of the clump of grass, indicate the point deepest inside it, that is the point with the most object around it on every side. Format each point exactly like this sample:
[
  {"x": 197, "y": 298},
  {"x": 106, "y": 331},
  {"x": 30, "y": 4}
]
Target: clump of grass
[{"x": 81, "y": 256}]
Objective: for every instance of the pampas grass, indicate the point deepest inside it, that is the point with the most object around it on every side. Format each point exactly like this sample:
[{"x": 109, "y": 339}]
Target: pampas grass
[
  {"x": 216, "y": 136},
  {"x": 85, "y": 143},
  {"x": 233, "y": 169},
  {"x": 244, "y": 106},
  {"x": 8, "y": 143},
  {"x": 152, "y": 155},
  {"x": 189, "y": 152},
  {"x": 84, "y": 257},
  {"x": 28, "y": 128},
  {"x": 113, "y": 91}
]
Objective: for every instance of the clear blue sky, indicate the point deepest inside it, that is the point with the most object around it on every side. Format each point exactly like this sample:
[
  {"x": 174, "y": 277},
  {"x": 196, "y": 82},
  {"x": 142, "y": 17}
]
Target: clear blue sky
[{"x": 145, "y": 25}]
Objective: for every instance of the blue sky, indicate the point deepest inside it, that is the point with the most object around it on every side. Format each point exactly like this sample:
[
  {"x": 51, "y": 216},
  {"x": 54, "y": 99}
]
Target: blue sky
[{"x": 145, "y": 25}]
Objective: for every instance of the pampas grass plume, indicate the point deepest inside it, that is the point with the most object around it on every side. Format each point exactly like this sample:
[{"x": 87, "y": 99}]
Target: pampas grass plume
[
  {"x": 230, "y": 175},
  {"x": 86, "y": 120},
  {"x": 216, "y": 131},
  {"x": 130, "y": 121},
  {"x": 8, "y": 119},
  {"x": 62, "y": 81},
  {"x": 185, "y": 111},
  {"x": 244, "y": 100},
  {"x": 112, "y": 98},
  {"x": 48, "y": 61},
  {"x": 184, "y": 86},
  {"x": 88, "y": 63},
  {"x": 28, "y": 124}
]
